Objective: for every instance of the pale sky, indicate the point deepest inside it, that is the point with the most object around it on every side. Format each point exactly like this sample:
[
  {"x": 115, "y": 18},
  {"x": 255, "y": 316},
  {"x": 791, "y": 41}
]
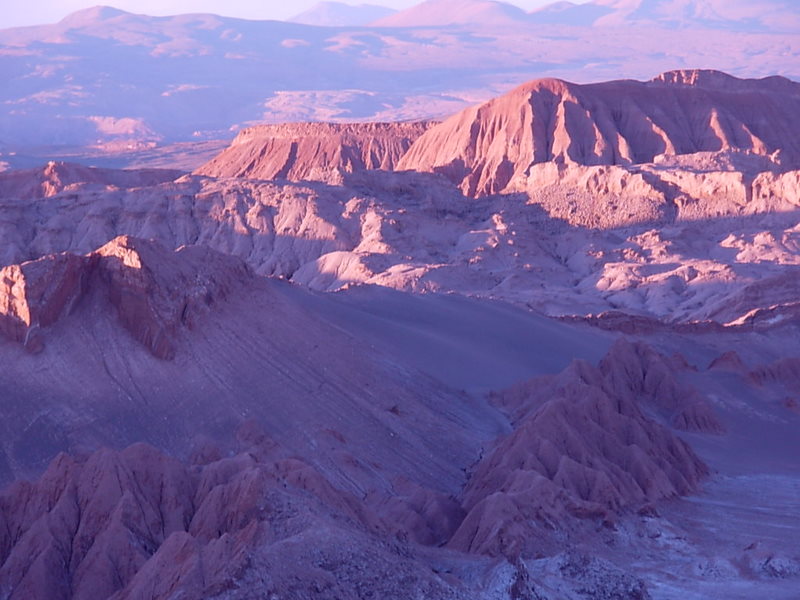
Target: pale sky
[{"x": 14, "y": 13}]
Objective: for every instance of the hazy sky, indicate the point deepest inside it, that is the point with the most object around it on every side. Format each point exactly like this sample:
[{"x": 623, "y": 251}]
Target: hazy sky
[{"x": 33, "y": 12}]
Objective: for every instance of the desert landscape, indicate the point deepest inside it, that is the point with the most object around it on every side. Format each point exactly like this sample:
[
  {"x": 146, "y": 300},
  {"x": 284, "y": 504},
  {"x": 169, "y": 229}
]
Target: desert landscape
[{"x": 391, "y": 325}]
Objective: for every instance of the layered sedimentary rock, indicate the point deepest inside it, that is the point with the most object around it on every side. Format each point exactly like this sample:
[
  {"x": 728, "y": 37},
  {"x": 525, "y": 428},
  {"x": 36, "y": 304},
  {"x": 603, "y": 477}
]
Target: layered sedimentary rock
[
  {"x": 314, "y": 151},
  {"x": 35, "y": 294},
  {"x": 491, "y": 147}
]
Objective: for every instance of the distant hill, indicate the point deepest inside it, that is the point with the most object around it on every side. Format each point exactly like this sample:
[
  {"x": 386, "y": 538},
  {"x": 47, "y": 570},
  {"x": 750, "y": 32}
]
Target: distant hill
[
  {"x": 766, "y": 15},
  {"x": 338, "y": 14},
  {"x": 432, "y": 13}
]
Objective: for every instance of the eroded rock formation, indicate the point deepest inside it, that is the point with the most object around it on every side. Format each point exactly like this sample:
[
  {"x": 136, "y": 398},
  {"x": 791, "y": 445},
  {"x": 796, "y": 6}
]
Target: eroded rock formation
[
  {"x": 151, "y": 291},
  {"x": 583, "y": 445},
  {"x": 137, "y": 524},
  {"x": 492, "y": 147},
  {"x": 314, "y": 151}
]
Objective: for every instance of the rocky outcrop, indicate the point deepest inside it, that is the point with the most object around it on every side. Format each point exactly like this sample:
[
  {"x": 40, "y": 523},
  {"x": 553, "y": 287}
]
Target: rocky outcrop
[
  {"x": 728, "y": 361},
  {"x": 138, "y": 524},
  {"x": 785, "y": 372},
  {"x": 492, "y": 147},
  {"x": 593, "y": 240},
  {"x": 57, "y": 177},
  {"x": 155, "y": 292},
  {"x": 637, "y": 372},
  {"x": 313, "y": 151},
  {"x": 36, "y": 294},
  {"x": 583, "y": 446},
  {"x": 152, "y": 292}
]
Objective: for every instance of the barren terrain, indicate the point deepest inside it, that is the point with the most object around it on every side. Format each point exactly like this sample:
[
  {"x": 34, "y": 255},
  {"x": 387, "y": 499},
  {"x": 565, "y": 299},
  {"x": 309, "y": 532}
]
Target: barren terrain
[{"x": 546, "y": 348}]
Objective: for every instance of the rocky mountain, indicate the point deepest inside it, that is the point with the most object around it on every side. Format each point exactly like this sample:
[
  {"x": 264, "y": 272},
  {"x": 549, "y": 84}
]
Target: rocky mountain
[
  {"x": 582, "y": 446},
  {"x": 485, "y": 148},
  {"x": 572, "y": 240},
  {"x": 304, "y": 466},
  {"x": 307, "y": 494},
  {"x": 198, "y": 530},
  {"x": 105, "y": 522}
]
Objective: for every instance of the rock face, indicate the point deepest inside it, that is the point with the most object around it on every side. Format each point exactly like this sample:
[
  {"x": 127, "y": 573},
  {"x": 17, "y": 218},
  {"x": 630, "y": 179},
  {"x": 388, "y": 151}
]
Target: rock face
[
  {"x": 151, "y": 302},
  {"x": 484, "y": 148},
  {"x": 35, "y": 294},
  {"x": 314, "y": 151},
  {"x": 582, "y": 445}
]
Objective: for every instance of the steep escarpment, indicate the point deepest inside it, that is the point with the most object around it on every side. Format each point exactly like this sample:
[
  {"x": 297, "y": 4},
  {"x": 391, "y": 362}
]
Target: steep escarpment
[
  {"x": 314, "y": 151},
  {"x": 484, "y": 148},
  {"x": 37, "y": 293},
  {"x": 689, "y": 144}
]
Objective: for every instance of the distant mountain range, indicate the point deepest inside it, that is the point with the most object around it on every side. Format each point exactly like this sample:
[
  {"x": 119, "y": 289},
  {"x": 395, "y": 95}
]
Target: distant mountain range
[
  {"x": 122, "y": 82},
  {"x": 339, "y": 14},
  {"x": 740, "y": 15},
  {"x": 434, "y": 13}
]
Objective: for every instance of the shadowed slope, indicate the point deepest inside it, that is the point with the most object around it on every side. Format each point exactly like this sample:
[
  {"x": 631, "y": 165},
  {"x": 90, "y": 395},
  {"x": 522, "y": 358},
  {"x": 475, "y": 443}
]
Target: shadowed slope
[{"x": 105, "y": 323}]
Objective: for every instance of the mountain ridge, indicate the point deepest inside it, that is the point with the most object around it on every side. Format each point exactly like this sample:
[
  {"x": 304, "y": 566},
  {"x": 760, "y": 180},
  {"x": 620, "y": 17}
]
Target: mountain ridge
[
  {"x": 339, "y": 14},
  {"x": 485, "y": 148}
]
